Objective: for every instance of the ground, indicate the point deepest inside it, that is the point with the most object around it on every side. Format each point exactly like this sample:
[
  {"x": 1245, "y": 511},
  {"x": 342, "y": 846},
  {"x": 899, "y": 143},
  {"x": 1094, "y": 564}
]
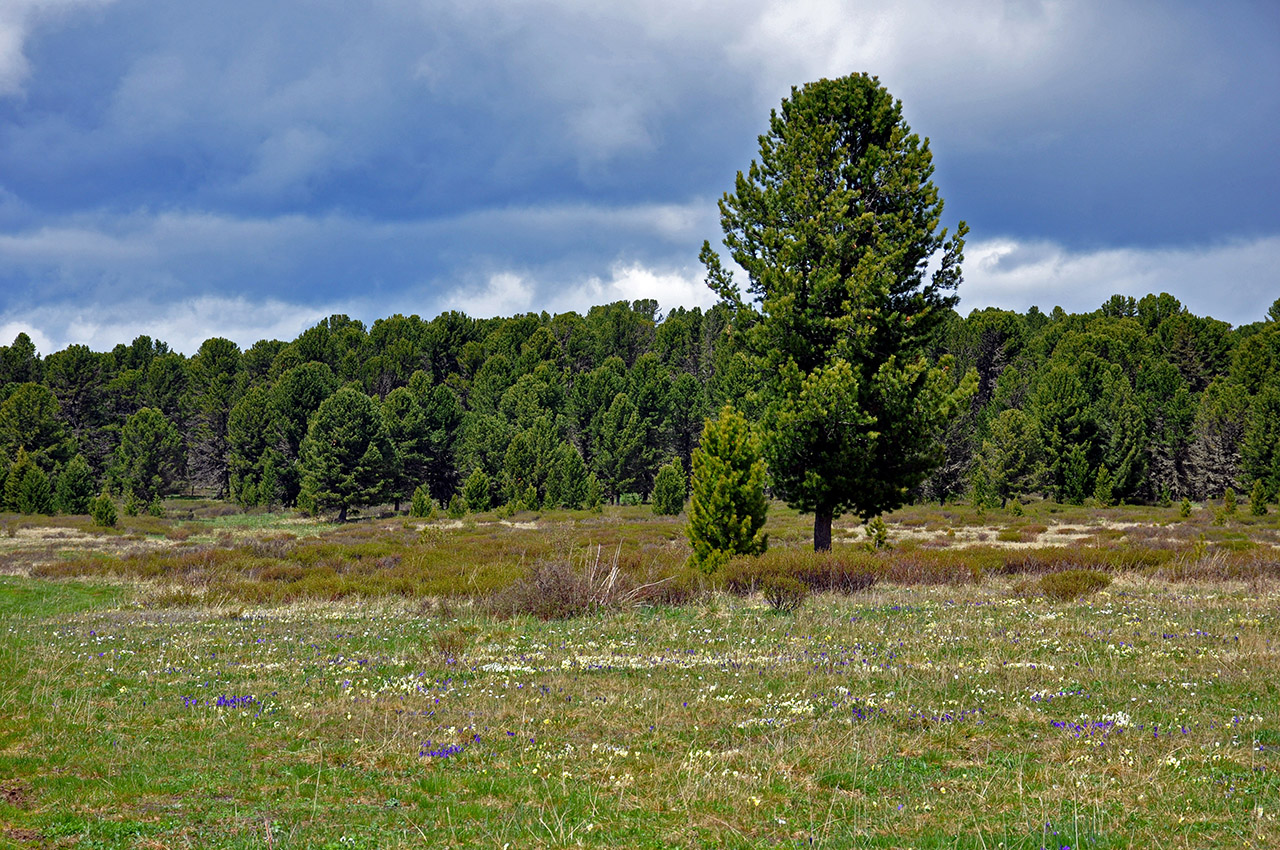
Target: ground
[{"x": 143, "y": 709}]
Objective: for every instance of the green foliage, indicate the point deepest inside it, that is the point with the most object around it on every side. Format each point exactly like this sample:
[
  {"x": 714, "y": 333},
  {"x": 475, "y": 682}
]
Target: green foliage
[
  {"x": 103, "y": 510},
  {"x": 35, "y": 496},
  {"x": 422, "y": 505},
  {"x": 1075, "y": 475},
  {"x": 253, "y": 449},
  {"x": 457, "y": 507},
  {"x": 1184, "y": 508},
  {"x": 566, "y": 484},
  {"x": 147, "y": 461},
  {"x": 76, "y": 486},
  {"x": 669, "y": 489},
  {"x": 347, "y": 458},
  {"x": 593, "y": 495},
  {"x": 1258, "y": 498},
  {"x": 476, "y": 491},
  {"x": 785, "y": 594},
  {"x": 1071, "y": 584},
  {"x": 1011, "y": 457},
  {"x": 22, "y": 464},
  {"x": 878, "y": 533},
  {"x": 1103, "y": 487},
  {"x": 1229, "y": 501},
  {"x": 835, "y": 226},
  {"x": 727, "y": 507},
  {"x": 30, "y": 418}
]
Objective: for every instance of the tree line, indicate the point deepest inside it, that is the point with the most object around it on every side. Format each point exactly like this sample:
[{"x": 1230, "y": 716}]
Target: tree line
[
  {"x": 843, "y": 353},
  {"x": 1140, "y": 401}
]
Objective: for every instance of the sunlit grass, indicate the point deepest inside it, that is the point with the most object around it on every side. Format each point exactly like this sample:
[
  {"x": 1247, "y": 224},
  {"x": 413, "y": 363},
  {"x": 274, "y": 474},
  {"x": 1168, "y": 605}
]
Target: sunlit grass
[{"x": 1144, "y": 714}]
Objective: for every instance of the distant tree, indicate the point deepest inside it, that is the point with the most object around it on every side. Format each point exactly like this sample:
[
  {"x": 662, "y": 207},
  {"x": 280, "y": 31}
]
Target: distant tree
[
  {"x": 566, "y": 478},
  {"x": 78, "y": 377},
  {"x": 19, "y": 363},
  {"x": 17, "y": 471},
  {"x": 147, "y": 461},
  {"x": 216, "y": 383},
  {"x": 619, "y": 447},
  {"x": 76, "y": 487},
  {"x": 103, "y": 510},
  {"x": 1217, "y": 436},
  {"x": 421, "y": 504},
  {"x": 410, "y": 433},
  {"x": 347, "y": 457},
  {"x": 295, "y": 397},
  {"x": 30, "y": 419},
  {"x": 477, "y": 491},
  {"x": 1011, "y": 456},
  {"x": 669, "y": 489},
  {"x": 727, "y": 508},
  {"x": 253, "y": 456},
  {"x": 35, "y": 496},
  {"x": 1260, "y": 447},
  {"x": 836, "y": 225}
]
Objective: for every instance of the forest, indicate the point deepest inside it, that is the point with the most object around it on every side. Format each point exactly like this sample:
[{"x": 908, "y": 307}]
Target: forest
[{"x": 1139, "y": 401}]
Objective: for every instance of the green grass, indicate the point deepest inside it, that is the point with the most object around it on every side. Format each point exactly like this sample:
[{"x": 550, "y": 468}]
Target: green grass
[
  {"x": 951, "y": 704},
  {"x": 928, "y": 716}
]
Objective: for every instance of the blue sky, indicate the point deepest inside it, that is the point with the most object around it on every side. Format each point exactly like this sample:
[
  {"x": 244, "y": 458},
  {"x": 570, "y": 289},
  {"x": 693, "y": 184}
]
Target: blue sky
[{"x": 243, "y": 169}]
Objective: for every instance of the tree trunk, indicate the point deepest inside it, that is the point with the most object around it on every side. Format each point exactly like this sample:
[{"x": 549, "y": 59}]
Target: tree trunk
[
  {"x": 822, "y": 531},
  {"x": 342, "y": 514}
]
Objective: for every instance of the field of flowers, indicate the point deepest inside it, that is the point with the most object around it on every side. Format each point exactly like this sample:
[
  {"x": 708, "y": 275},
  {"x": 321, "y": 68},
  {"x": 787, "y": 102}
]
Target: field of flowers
[{"x": 1143, "y": 715}]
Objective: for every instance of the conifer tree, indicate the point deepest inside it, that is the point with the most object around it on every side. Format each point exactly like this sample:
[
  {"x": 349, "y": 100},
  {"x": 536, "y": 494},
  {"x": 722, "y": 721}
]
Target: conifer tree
[
  {"x": 669, "y": 489},
  {"x": 347, "y": 457},
  {"x": 727, "y": 507},
  {"x": 75, "y": 487},
  {"x": 35, "y": 495},
  {"x": 835, "y": 226},
  {"x": 22, "y": 464},
  {"x": 147, "y": 461},
  {"x": 476, "y": 491}
]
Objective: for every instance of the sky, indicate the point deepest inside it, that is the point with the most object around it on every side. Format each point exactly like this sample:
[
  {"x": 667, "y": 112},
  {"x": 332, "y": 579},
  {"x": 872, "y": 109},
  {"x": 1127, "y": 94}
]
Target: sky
[{"x": 244, "y": 169}]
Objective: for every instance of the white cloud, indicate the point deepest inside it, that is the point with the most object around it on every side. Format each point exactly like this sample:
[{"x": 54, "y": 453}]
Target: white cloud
[
  {"x": 675, "y": 287},
  {"x": 505, "y": 294},
  {"x": 1234, "y": 281},
  {"x": 183, "y": 324},
  {"x": 16, "y": 19},
  {"x": 9, "y": 332}
]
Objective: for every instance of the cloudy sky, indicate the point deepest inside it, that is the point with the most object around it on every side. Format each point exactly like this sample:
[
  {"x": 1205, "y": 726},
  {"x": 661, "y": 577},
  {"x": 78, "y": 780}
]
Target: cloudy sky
[{"x": 242, "y": 169}]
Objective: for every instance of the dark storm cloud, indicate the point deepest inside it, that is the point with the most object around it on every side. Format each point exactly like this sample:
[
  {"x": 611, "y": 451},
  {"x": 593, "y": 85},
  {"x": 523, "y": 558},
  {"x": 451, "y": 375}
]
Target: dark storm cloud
[{"x": 402, "y": 155}]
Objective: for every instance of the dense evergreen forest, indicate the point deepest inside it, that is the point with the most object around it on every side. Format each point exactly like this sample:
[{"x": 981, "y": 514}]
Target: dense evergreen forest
[{"x": 1139, "y": 401}]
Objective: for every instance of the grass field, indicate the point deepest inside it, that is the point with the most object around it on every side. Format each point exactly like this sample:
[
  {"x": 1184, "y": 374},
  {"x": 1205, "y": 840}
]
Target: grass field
[{"x": 156, "y": 692}]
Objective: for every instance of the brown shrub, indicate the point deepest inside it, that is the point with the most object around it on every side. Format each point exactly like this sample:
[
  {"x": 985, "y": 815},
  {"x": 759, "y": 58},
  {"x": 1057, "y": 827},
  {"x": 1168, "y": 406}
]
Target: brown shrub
[{"x": 1072, "y": 584}]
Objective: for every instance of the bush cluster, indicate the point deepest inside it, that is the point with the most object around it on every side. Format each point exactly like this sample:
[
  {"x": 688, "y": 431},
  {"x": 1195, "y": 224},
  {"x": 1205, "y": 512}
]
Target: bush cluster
[{"x": 1072, "y": 584}]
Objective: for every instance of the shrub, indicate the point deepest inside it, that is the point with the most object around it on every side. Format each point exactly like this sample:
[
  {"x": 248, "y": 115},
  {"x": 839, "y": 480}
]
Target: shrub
[
  {"x": 1258, "y": 498},
  {"x": 457, "y": 507},
  {"x": 630, "y": 500},
  {"x": 1229, "y": 501},
  {"x": 475, "y": 491},
  {"x": 1072, "y": 584},
  {"x": 668, "y": 489},
  {"x": 593, "y": 497},
  {"x": 103, "y": 511},
  {"x": 35, "y": 496},
  {"x": 783, "y": 593},
  {"x": 727, "y": 507},
  {"x": 556, "y": 589},
  {"x": 1184, "y": 508},
  {"x": 75, "y": 487},
  {"x": 878, "y": 533},
  {"x": 422, "y": 505},
  {"x": 847, "y": 572}
]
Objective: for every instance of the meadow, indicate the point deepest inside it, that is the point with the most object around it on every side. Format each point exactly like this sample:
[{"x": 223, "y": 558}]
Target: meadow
[{"x": 215, "y": 679}]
